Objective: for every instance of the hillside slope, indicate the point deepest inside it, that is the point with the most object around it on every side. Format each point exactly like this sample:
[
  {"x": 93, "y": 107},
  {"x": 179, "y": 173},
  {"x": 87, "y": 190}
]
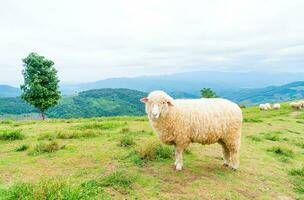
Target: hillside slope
[{"x": 103, "y": 102}]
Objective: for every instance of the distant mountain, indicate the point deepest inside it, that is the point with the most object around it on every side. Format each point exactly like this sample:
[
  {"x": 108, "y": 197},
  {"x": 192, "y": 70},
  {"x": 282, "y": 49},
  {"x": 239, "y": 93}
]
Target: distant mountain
[
  {"x": 191, "y": 82},
  {"x": 291, "y": 91},
  {"x": 9, "y": 91}
]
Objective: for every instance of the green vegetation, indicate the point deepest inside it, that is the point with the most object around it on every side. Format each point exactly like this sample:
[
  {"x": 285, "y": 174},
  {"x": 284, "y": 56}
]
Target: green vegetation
[
  {"x": 126, "y": 141},
  {"x": 45, "y": 147},
  {"x": 282, "y": 151},
  {"x": 94, "y": 103},
  {"x": 208, "y": 93},
  {"x": 40, "y": 87},
  {"x": 22, "y": 147},
  {"x": 11, "y": 135},
  {"x": 121, "y": 158},
  {"x": 298, "y": 179}
]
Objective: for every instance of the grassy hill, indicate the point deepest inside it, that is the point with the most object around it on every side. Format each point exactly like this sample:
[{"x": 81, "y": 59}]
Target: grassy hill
[{"x": 121, "y": 158}]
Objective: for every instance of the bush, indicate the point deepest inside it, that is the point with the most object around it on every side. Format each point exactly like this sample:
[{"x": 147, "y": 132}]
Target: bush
[
  {"x": 42, "y": 147},
  {"x": 125, "y": 130},
  {"x": 154, "y": 151},
  {"x": 252, "y": 120},
  {"x": 298, "y": 179},
  {"x": 254, "y": 138},
  {"x": 297, "y": 172},
  {"x": 102, "y": 126},
  {"x": 11, "y": 135},
  {"x": 22, "y": 147},
  {"x": 49, "y": 189},
  {"x": 46, "y": 136},
  {"x": 75, "y": 135},
  {"x": 126, "y": 141},
  {"x": 118, "y": 179},
  {"x": 6, "y": 121},
  {"x": 272, "y": 137},
  {"x": 282, "y": 151}
]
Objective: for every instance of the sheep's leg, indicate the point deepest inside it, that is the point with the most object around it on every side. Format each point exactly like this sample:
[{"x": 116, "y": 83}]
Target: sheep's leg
[
  {"x": 234, "y": 159},
  {"x": 234, "y": 150},
  {"x": 179, "y": 158},
  {"x": 226, "y": 153}
]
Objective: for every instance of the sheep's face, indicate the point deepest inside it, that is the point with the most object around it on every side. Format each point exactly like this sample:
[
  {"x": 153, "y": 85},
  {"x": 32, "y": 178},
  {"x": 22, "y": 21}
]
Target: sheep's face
[{"x": 157, "y": 104}]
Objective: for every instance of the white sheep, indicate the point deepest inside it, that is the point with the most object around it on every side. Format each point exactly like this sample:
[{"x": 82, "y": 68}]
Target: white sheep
[
  {"x": 268, "y": 106},
  {"x": 206, "y": 121},
  {"x": 276, "y": 106},
  {"x": 263, "y": 107},
  {"x": 296, "y": 105}
]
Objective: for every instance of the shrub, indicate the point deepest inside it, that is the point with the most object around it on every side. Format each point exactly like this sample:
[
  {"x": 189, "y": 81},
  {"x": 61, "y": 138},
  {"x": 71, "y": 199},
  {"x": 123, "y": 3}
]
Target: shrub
[
  {"x": 297, "y": 172},
  {"x": 75, "y": 135},
  {"x": 272, "y": 137},
  {"x": 126, "y": 141},
  {"x": 102, "y": 126},
  {"x": 22, "y": 147},
  {"x": 11, "y": 135},
  {"x": 50, "y": 189},
  {"x": 298, "y": 179},
  {"x": 154, "y": 151},
  {"x": 254, "y": 138},
  {"x": 42, "y": 147},
  {"x": 252, "y": 120},
  {"x": 282, "y": 151},
  {"x": 118, "y": 179},
  {"x": 125, "y": 130},
  {"x": 300, "y": 144},
  {"x": 6, "y": 121},
  {"x": 46, "y": 136}
]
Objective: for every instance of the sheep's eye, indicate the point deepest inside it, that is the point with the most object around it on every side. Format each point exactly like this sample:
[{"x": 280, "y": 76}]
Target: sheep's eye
[{"x": 164, "y": 102}]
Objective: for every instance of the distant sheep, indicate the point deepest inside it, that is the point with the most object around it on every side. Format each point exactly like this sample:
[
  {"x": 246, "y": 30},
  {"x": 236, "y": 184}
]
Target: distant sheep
[
  {"x": 263, "y": 107},
  {"x": 206, "y": 121},
  {"x": 268, "y": 106},
  {"x": 296, "y": 105},
  {"x": 276, "y": 106}
]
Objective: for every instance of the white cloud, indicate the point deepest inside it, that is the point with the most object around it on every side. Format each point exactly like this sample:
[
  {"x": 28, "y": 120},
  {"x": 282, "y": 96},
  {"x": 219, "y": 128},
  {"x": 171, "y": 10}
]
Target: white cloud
[{"x": 91, "y": 40}]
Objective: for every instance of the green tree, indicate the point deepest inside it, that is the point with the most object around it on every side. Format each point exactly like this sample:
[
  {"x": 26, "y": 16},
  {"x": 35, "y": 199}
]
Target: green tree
[
  {"x": 208, "y": 93},
  {"x": 40, "y": 87}
]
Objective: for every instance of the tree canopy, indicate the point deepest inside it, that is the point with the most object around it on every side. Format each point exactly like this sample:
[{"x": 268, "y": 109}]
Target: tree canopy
[
  {"x": 208, "y": 93},
  {"x": 40, "y": 87}
]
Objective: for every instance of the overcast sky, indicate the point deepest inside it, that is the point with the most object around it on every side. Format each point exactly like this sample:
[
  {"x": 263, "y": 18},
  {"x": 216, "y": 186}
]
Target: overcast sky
[{"x": 92, "y": 40}]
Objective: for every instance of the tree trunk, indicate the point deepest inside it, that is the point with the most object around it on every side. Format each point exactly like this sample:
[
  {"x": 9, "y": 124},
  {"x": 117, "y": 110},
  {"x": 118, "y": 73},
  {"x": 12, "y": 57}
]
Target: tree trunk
[{"x": 43, "y": 115}]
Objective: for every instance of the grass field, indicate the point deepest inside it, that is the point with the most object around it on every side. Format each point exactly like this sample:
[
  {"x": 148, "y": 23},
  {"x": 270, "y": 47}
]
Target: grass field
[{"x": 121, "y": 158}]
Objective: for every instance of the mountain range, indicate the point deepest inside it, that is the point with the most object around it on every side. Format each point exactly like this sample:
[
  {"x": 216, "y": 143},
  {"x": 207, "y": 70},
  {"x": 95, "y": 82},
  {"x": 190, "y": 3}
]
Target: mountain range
[{"x": 117, "y": 102}]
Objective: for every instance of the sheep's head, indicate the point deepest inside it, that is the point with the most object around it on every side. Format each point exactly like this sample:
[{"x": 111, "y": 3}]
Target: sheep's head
[{"x": 157, "y": 104}]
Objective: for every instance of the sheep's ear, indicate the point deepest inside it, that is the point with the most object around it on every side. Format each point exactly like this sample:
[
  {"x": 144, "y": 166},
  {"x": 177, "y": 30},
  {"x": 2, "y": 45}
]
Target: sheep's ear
[
  {"x": 144, "y": 100},
  {"x": 170, "y": 103}
]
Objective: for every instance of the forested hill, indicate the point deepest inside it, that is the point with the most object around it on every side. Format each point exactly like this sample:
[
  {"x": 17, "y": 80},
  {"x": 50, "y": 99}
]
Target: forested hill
[
  {"x": 102, "y": 102},
  {"x": 93, "y": 103}
]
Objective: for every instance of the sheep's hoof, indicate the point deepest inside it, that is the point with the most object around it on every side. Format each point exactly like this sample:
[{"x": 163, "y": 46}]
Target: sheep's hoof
[
  {"x": 179, "y": 167},
  {"x": 234, "y": 169}
]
